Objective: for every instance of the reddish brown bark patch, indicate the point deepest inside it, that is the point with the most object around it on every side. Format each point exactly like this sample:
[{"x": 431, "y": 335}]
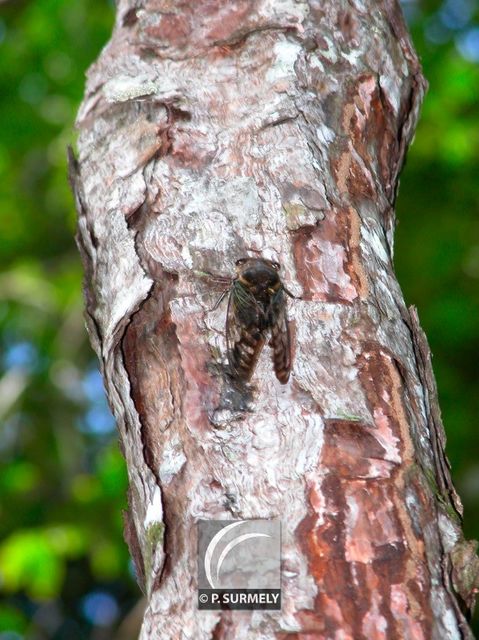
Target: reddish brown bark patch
[
  {"x": 364, "y": 551},
  {"x": 338, "y": 604},
  {"x": 350, "y": 448},
  {"x": 169, "y": 131},
  {"x": 179, "y": 24},
  {"x": 201, "y": 395},
  {"x": 362, "y": 565},
  {"x": 192, "y": 148},
  {"x": 171, "y": 29},
  {"x": 382, "y": 383},
  {"x": 165, "y": 386},
  {"x": 152, "y": 361},
  {"x": 223, "y": 628},
  {"x": 352, "y": 178},
  {"x": 365, "y": 159},
  {"x": 327, "y": 258},
  {"x": 348, "y": 26},
  {"x": 230, "y": 20},
  {"x": 129, "y": 18}
]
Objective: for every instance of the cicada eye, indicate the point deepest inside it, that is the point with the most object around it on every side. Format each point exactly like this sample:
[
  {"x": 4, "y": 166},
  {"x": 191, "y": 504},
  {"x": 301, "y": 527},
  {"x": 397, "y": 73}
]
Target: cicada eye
[
  {"x": 240, "y": 261},
  {"x": 276, "y": 265}
]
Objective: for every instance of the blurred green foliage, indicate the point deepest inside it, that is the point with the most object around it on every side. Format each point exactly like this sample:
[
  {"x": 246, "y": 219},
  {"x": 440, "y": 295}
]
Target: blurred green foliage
[
  {"x": 64, "y": 568},
  {"x": 437, "y": 238}
]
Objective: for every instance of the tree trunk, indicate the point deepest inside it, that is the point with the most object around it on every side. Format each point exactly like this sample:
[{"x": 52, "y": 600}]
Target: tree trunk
[{"x": 211, "y": 131}]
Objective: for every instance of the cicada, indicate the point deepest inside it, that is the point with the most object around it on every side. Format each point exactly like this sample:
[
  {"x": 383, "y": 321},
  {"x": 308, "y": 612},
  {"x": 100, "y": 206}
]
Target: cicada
[{"x": 257, "y": 310}]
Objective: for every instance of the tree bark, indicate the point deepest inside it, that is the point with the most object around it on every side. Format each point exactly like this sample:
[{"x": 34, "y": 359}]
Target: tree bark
[{"x": 211, "y": 131}]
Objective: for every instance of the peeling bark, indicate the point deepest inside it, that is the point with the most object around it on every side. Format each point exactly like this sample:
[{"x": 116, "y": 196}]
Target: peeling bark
[{"x": 215, "y": 130}]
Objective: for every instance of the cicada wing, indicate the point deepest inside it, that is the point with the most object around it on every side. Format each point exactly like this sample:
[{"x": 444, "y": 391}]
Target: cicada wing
[
  {"x": 244, "y": 337},
  {"x": 281, "y": 344}
]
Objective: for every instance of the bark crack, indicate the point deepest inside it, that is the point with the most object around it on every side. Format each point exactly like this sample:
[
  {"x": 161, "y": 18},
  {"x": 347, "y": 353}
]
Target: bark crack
[
  {"x": 436, "y": 428},
  {"x": 146, "y": 444}
]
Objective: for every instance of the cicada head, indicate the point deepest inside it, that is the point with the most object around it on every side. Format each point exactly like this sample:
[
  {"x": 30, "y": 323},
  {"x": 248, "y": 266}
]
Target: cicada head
[{"x": 259, "y": 274}]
